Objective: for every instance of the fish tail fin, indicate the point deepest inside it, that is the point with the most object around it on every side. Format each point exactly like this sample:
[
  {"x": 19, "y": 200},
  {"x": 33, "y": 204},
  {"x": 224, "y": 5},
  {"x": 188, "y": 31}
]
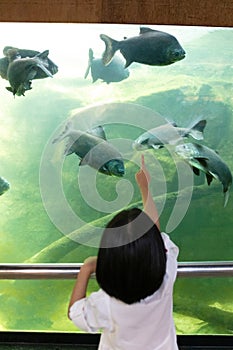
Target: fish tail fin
[
  {"x": 65, "y": 133},
  {"x": 196, "y": 131},
  {"x": 111, "y": 46},
  {"x": 91, "y": 57}
]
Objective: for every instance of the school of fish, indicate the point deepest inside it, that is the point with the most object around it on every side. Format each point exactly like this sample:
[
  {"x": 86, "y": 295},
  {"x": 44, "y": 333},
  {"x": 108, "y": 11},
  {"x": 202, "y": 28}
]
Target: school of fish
[{"x": 151, "y": 47}]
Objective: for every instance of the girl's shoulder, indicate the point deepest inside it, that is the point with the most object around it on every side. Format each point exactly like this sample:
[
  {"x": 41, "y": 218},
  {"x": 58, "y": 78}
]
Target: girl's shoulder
[{"x": 169, "y": 244}]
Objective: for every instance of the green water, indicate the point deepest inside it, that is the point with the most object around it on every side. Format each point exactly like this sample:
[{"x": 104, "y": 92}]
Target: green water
[{"x": 198, "y": 86}]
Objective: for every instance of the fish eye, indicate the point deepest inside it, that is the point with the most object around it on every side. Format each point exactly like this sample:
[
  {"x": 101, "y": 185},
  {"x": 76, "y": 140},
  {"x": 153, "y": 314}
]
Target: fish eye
[{"x": 177, "y": 53}]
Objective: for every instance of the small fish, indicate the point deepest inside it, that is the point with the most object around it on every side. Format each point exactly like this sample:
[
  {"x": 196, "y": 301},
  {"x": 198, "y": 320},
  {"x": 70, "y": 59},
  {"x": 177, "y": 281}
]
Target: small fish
[
  {"x": 21, "y": 71},
  {"x": 114, "y": 72},
  {"x": 202, "y": 158},
  {"x": 151, "y": 47},
  {"x": 4, "y": 185},
  {"x": 168, "y": 134},
  {"x": 93, "y": 149}
]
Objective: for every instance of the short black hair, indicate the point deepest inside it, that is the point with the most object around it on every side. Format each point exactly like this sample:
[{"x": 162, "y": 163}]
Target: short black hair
[{"x": 131, "y": 260}]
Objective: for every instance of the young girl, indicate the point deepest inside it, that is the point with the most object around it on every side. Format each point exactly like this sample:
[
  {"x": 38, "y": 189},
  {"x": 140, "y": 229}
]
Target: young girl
[{"x": 135, "y": 269}]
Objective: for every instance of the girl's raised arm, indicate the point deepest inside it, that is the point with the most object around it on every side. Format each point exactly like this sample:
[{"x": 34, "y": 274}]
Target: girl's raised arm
[{"x": 143, "y": 180}]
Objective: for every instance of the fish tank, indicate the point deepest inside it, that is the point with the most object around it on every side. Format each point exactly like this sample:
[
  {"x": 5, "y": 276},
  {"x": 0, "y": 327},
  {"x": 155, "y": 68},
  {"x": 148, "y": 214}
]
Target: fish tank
[{"x": 77, "y": 112}]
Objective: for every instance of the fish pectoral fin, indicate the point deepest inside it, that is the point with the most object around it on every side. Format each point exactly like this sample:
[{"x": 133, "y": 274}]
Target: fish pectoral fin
[
  {"x": 44, "y": 69},
  {"x": 157, "y": 146},
  {"x": 226, "y": 197},
  {"x": 104, "y": 170},
  {"x": 98, "y": 131},
  {"x": 214, "y": 175},
  {"x": 195, "y": 164},
  {"x": 202, "y": 161},
  {"x": 196, "y": 170},
  {"x": 209, "y": 178}
]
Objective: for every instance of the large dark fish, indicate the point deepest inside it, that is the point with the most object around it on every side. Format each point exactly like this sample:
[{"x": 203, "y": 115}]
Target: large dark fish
[
  {"x": 208, "y": 161},
  {"x": 21, "y": 71},
  {"x": 151, "y": 47},
  {"x": 168, "y": 134},
  {"x": 24, "y": 53},
  {"x": 4, "y": 185},
  {"x": 93, "y": 149},
  {"x": 113, "y": 72}
]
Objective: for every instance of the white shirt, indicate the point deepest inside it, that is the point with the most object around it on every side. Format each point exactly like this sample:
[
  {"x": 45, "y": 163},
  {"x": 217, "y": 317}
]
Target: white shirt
[{"x": 146, "y": 325}]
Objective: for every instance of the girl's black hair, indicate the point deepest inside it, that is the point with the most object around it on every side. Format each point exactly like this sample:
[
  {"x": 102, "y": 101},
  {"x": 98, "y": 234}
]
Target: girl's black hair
[{"x": 131, "y": 260}]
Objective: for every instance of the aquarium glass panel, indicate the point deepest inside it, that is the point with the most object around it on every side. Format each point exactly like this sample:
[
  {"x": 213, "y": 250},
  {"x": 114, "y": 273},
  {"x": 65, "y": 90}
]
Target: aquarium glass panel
[{"x": 79, "y": 105}]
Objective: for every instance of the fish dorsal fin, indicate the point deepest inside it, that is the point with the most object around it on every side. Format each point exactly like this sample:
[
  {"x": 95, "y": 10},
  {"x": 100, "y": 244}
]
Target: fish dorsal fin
[
  {"x": 144, "y": 30},
  {"x": 43, "y": 55},
  {"x": 98, "y": 131}
]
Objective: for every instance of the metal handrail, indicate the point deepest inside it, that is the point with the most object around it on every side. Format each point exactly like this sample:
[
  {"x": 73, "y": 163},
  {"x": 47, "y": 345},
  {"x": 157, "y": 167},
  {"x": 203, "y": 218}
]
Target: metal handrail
[{"x": 70, "y": 271}]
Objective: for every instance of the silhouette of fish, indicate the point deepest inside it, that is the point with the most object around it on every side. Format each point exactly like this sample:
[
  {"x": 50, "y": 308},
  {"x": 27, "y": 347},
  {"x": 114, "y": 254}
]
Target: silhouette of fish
[
  {"x": 21, "y": 71},
  {"x": 151, "y": 47},
  {"x": 202, "y": 158},
  {"x": 168, "y": 134},
  {"x": 114, "y": 72},
  {"x": 93, "y": 149},
  {"x": 20, "y": 66},
  {"x": 24, "y": 53}
]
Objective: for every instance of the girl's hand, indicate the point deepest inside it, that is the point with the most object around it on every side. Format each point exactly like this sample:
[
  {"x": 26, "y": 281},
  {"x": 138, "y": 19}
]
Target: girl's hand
[
  {"x": 142, "y": 176},
  {"x": 90, "y": 264}
]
